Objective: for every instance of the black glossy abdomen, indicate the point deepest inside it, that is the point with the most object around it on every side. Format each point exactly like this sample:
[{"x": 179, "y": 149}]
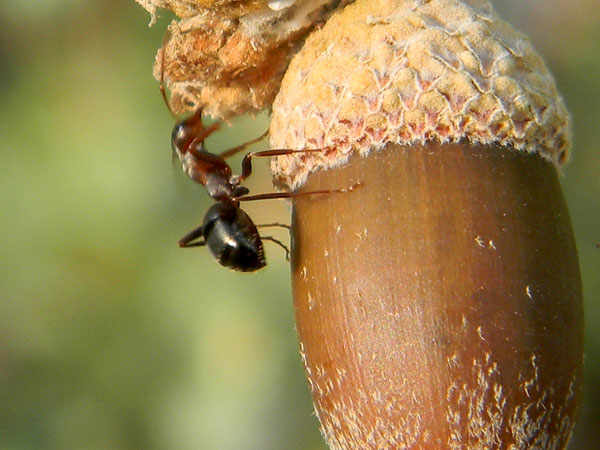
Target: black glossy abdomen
[{"x": 233, "y": 239}]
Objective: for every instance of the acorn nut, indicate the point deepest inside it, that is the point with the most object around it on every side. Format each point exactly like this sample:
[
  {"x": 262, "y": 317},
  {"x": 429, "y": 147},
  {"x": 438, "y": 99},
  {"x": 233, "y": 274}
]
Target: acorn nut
[{"x": 438, "y": 306}]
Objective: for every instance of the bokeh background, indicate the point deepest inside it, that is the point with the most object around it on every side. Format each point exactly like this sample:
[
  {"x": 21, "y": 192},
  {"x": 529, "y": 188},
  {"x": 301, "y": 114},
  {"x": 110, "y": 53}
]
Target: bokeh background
[{"x": 113, "y": 338}]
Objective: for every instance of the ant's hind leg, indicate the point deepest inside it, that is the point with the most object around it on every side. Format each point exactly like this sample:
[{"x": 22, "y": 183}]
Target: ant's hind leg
[
  {"x": 278, "y": 242},
  {"x": 278, "y": 195},
  {"x": 197, "y": 235}
]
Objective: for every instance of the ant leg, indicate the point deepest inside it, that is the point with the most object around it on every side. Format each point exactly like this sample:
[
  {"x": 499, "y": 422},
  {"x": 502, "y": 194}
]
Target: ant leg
[
  {"x": 247, "y": 161},
  {"x": 276, "y": 224},
  {"x": 202, "y": 135},
  {"x": 277, "y": 195},
  {"x": 278, "y": 242},
  {"x": 197, "y": 235},
  {"x": 232, "y": 151}
]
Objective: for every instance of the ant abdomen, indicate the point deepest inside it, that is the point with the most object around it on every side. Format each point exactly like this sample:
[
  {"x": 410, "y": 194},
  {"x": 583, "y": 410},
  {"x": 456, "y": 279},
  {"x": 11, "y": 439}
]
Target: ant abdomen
[{"x": 232, "y": 238}]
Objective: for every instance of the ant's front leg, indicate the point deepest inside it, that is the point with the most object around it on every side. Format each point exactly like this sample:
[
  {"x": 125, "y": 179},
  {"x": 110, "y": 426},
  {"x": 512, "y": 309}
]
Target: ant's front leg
[
  {"x": 196, "y": 145},
  {"x": 197, "y": 234},
  {"x": 232, "y": 151}
]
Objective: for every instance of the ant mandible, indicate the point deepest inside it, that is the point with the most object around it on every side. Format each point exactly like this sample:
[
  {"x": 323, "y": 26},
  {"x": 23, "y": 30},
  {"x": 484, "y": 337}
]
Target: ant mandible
[{"x": 227, "y": 231}]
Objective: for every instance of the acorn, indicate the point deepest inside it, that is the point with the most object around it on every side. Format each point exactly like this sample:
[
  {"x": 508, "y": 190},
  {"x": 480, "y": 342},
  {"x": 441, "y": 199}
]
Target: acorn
[{"x": 439, "y": 306}]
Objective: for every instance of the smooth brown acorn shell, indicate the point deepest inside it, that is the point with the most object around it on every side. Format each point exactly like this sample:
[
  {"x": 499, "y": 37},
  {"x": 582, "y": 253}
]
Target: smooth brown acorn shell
[{"x": 439, "y": 305}]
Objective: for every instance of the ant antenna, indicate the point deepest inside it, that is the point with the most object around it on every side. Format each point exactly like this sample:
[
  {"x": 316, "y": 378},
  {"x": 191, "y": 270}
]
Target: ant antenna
[{"x": 162, "y": 73}]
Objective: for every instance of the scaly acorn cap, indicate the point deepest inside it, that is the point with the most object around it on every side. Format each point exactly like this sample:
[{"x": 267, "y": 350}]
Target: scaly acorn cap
[{"x": 408, "y": 71}]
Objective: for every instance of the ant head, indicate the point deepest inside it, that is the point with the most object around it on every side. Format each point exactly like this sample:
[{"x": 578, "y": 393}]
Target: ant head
[
  {"x": 190, "y": 131},
  {"x": 186, "y": 131}
]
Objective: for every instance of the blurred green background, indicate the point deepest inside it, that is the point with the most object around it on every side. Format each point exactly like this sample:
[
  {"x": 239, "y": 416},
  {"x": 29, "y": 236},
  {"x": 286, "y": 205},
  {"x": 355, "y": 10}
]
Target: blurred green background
[{"x": 113, "y": 338}]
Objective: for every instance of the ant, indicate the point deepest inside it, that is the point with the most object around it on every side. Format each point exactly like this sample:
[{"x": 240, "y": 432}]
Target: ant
[{"x": 227, "y": 231}]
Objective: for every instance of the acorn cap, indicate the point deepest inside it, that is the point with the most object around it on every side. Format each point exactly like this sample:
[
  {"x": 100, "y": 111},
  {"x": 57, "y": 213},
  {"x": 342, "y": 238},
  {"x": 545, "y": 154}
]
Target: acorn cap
[{"x": 405, "y": 72}]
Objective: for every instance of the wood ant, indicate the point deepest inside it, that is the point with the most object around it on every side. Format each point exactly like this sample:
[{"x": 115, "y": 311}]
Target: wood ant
[{"x": 228, "y": 232}]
